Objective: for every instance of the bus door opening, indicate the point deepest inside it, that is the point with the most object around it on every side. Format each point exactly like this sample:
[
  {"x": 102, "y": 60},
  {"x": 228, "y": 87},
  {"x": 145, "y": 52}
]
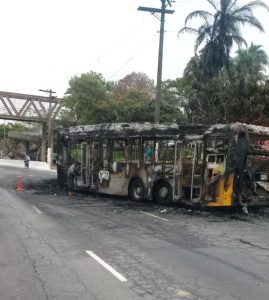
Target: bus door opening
[
  {"x": 192, "y": 161},
  {"x": 177, "y": 193}
]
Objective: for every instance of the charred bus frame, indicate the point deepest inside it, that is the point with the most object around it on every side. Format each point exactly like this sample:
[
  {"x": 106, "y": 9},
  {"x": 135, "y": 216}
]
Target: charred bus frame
[{"x": 219, "y": 165}]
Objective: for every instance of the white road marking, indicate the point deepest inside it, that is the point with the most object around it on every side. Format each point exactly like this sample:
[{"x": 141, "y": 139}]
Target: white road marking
[
  {"x": 151, "y": 215},
  {"x": 36, "y": 209},
  {"x": 105, "y": 265}
]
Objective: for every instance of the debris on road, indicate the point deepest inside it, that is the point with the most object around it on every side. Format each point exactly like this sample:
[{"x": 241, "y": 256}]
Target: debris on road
[{"x": 50, "y": 187}]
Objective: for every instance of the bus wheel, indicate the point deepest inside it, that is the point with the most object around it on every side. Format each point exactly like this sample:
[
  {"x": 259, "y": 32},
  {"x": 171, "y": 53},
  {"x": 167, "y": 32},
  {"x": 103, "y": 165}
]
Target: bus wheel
[
  {"x": 136, "y": 190},
  {"x": 162, "y": 192}
]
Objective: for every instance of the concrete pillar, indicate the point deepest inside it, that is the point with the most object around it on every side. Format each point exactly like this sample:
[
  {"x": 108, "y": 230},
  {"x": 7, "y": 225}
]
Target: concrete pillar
[
  {"x": 52, "y": 144},
  {"x": 50, "y": 148},
  {"x": 49, "y": 153},
  {"x": 44, "y": 140},
  {"x": 49, "y": 157},
  {"x": 27, "y": 147}
]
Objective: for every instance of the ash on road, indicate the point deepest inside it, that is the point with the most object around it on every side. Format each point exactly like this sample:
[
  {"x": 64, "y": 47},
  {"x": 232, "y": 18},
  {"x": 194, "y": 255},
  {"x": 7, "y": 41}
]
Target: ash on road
[{"x": 53, "y": 246}]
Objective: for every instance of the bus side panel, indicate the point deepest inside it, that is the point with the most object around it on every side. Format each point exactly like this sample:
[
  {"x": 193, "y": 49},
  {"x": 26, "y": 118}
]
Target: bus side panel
[{"x": 118, "y": 183}]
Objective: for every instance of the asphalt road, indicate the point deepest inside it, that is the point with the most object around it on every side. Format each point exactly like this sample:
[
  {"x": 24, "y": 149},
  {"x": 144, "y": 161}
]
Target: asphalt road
[{"x": 53, "y": 246}]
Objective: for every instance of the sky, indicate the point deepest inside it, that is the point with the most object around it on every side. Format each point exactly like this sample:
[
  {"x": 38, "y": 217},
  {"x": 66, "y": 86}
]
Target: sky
[{"x": 46, "y": 42}]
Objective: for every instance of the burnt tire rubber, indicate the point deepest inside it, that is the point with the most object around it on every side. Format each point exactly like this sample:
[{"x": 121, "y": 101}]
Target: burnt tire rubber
[
  {"x": 137, "y": 190},
  {"x": 162, "y": 193}
]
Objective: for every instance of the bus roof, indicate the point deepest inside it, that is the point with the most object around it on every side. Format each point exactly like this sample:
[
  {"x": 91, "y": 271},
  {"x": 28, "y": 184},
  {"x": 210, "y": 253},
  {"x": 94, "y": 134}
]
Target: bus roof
[
  {"x": 238, "y": 127},
  {"x": 150, "y": 130},
  {"x": 129, "y": 130}
]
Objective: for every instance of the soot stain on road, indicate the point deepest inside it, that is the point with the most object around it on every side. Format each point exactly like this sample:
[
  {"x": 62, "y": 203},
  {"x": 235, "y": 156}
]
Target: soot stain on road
[{"x": 50, "y": 187}]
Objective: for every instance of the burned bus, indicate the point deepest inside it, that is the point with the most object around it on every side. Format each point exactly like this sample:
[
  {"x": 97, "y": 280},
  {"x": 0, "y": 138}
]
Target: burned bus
[{"x": 218, "y": 165}]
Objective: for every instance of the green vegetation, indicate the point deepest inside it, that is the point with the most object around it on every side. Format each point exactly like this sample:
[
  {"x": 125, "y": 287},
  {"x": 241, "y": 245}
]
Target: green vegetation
[
  {"x": 220, "y": 30},
  {"x": 75, "y": 154},
  {"x": 215, "y": 87},
  {"x": 18, "y": 126},
  {"x": 241, "y": 96},
  {"x": 91, "y": 100}
]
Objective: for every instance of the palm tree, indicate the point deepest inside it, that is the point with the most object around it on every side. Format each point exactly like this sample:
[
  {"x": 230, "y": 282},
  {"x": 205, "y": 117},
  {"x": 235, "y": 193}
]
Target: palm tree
[
  {"x": 221, "y": 29},
  {"x": 252, "y": 61}
]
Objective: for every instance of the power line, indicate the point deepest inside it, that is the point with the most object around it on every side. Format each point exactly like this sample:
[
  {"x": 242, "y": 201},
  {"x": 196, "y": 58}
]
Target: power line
[
  {"x": 131, "y": 58},
  {"x": 116, "y": 44}
]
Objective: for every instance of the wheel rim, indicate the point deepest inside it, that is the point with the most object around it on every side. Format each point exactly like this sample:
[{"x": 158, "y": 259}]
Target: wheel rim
[
  {"x": 163, "y": 192},
  {"x": 138, "y": 191}
]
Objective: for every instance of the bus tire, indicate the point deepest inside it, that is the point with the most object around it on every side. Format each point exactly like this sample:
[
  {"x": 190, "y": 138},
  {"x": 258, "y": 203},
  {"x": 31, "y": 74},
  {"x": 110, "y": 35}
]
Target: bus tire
[
  {"x": 162, "y": 192},
  {"x": 137, "y": 190}
]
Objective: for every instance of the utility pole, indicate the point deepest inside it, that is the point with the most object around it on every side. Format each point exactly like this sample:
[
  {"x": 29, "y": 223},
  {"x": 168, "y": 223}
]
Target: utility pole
[
  {"x": 50, "y": 135},
  {"x": 161, "y": 11}
]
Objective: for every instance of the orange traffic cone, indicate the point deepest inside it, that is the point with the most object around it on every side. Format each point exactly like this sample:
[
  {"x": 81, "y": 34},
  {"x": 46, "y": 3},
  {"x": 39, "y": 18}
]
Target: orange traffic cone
[{"x": 20, "y": 185}]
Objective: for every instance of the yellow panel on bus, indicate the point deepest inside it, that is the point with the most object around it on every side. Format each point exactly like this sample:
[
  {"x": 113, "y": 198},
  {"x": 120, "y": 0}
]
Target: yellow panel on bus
[{"x": 223, "y": 196}]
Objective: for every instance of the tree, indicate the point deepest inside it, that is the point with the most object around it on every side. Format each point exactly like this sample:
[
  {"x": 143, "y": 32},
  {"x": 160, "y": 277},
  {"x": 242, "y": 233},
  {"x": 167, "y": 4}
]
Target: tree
[
  {"x": 251, "y": 82},
  {"x": 196, "y": 95},
  {"x": 221, "y": 99},
  {"x": 133, "y": 95},
  {"x": 172, "y": 104},
  {"x": 91, "y": 100},
  {"x": 251, "y": 62},
  {"x": 16, "y": 126},
  {"x": 134, "y": 82},
  {"x": 136, "y": 107},
  {"x": 220, "y": 30},
  {"x": 85, "y": 95}
]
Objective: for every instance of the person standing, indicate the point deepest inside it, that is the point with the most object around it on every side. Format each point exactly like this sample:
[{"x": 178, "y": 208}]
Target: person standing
[
  {"x": 72, "y": 171},
  {"x": 26, "y": 161}
]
